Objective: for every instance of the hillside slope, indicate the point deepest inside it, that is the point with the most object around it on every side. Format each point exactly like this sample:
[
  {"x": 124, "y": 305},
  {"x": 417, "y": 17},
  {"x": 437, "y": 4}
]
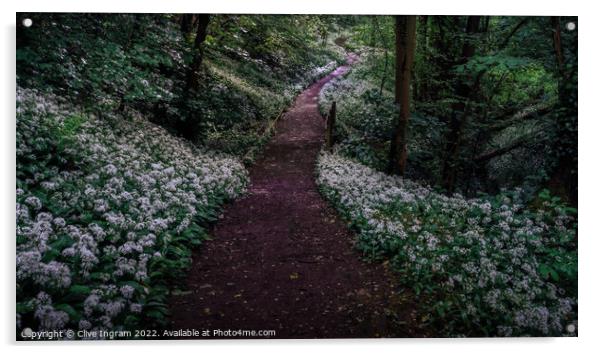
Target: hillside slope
[{"x": 107, "y": 210}]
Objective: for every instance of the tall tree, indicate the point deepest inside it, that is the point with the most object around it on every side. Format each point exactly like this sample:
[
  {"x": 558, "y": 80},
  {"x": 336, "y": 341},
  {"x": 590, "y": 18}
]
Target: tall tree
[
  {"x": 564, "y": 140},
  {"x": 463, "y": 89},
  {"x": 201, "y": 33},
  {"x": 186, "y": 23},
  {"x": 422, "y": 84},
  {"x": 190, "y": 127},
  {"x": 405, "y": 36}
]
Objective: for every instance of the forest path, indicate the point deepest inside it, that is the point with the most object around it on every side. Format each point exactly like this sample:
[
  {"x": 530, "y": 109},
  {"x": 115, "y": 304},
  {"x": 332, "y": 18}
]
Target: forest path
[{"x": 281, "y": 259}]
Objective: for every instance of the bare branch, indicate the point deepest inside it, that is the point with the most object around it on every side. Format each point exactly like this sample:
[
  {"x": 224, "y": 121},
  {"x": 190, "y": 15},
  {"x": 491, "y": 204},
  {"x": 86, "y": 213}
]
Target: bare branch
[
  {"x": 513, "y": 32},
  {"x": 517, "y": 143},
  {"x": 529, "y": 112}
]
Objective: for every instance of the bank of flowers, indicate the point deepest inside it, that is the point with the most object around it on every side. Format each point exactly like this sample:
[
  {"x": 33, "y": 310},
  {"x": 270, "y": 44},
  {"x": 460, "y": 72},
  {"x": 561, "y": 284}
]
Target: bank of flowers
[
  {"x": 107, "y": 210},
  {"x": 484, "y": 266}
]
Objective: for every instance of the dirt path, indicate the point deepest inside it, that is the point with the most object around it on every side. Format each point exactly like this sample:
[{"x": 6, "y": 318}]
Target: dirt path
[{"x": 282, "y": 260}]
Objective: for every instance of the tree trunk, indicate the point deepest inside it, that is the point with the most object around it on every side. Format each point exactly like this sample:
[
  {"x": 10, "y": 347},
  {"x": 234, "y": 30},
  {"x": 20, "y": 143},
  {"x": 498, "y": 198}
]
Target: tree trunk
[
  {"x": 189, "y": 127},
  {"x": 384, "y": 77},
  {"x": 399, "y": 28},
  {"x": 441, "y": 66},
  {"x": 195, "y": 67},
  {"x": 186, "y": 24},
  {"x": 556, "y": 40},
  {"x": 422, "y": 86},
  {"x": 405, "y": 31},
  {"x": 564, "y": 177},
  {"x": 459, "y": 115}
]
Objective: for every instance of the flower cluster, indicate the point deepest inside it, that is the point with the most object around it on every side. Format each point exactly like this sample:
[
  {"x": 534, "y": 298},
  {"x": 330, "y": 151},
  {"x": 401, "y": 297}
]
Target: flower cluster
[
  {"x": 483, "y": 266},
  {"x": 321, "y": 71},
  {"x": 106, "y": 209}
]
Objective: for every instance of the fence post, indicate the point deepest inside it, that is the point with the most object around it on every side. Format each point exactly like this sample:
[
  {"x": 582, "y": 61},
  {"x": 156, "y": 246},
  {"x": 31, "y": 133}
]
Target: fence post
[{"x": 330, "y": 120}]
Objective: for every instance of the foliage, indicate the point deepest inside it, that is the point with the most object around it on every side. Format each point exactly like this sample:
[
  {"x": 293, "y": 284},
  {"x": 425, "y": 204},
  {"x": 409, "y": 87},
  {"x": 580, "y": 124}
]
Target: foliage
[
  {"x": 513, "y": 90},
  {"x": 254, "y": 66},
  {"x": 101, "y": 59}
]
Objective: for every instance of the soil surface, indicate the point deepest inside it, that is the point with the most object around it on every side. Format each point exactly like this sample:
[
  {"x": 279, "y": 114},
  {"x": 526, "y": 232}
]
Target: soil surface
[{"x": 281, "y": 259}]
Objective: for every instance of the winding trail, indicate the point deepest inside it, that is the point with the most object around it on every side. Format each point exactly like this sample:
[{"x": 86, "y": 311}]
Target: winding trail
[{"x": 281, "y": 259}]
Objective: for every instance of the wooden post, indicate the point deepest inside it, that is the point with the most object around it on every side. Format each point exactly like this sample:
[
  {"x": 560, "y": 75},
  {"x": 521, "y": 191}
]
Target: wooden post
[{"x": 330, "y": 120}]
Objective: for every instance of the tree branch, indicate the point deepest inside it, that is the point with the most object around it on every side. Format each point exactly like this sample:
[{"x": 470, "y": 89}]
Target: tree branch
[
  {"x": 513, "y": 32},
  {"x": 517, "y": 143},
  {"x": 527, "y": 113}
]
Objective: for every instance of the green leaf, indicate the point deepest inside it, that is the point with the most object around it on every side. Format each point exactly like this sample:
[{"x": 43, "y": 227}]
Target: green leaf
[{"x": 73, "y": 314}]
